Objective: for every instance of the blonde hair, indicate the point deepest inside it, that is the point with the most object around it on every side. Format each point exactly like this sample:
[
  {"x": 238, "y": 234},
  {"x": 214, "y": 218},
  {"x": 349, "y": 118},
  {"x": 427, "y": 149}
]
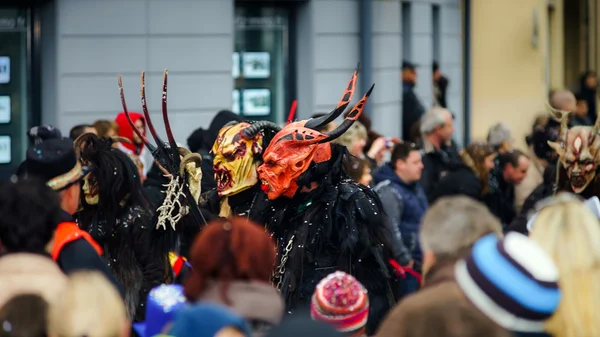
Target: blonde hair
[
  {"x": 356, "y": 131},
  {"x": 570, "y": 233},
  {"x": 453, "y": 224},
  {"x": 88, "y": 306}
]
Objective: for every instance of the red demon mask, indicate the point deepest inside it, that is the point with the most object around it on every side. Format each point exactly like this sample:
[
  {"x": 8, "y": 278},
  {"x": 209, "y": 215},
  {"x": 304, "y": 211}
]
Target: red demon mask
[{"x": 299, "y": 144}]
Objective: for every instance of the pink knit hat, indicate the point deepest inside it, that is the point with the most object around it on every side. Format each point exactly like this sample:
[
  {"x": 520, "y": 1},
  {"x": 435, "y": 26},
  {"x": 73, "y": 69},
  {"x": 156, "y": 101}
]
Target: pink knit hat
[{"x": 342, "y": 301}]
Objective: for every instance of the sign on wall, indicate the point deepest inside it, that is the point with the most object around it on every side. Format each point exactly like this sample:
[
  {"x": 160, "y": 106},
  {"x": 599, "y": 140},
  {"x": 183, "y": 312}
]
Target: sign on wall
[
  {"x": 4, "y": 69},
  {"x": 5, "y": 150}
]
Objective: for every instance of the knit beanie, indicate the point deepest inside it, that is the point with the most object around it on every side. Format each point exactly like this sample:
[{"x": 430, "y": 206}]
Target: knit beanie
[
  {"x": 512, "y": 281},
  {"x": 341, "y": 301}
]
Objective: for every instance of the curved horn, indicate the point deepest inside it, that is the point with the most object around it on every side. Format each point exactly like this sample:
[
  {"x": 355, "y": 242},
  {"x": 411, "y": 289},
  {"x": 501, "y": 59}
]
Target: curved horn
[
  {"x": 563, "y": 118},
  {"x": 350, "y": 119},
  {"x": 119, "y": 139},
  {"x": 254, "y": 129},
  {"x": 316, "y": 123},
  {"x": 183, "y": 151},
  {"x": 145, "y": 111},
  {"x": 165, "y": 114},
  {"x": 190, "y": 158}
]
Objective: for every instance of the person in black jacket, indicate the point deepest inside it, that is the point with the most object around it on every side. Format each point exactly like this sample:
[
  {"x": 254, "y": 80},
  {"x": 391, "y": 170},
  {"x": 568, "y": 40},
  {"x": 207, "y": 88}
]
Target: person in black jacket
[
  {"x": 202, "y": 140},
  {"x": 587, "y": 91},
  {"x": 54, "y": 161},
  {"x": 470, "y": 178},
  {"x": 412, "y": 108}
]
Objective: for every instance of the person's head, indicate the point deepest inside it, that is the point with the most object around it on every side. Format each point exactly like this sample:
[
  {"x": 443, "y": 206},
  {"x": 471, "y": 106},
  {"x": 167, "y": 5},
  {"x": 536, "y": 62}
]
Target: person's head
[
  {"x": 30, "y": 215},
  {"x": 237, "y": 155},
  {"x": 479, "y": 157},
  {"x": 589, "y": 80},
  {"x": 512, "y": 281},
  {"x": 500, "y": 137},
  {"x": 327, "y": 127},
  {"x": 354, "y": 139},
  {"x": 88, "y": 306},
  {"x": 340, "y": 300},
  {"x": 106, "y": 128},
  {"x": 126, "y": 131},
  {"x": 437, "y": 125},
  {"x": 24, "y": 316},
  {"x": 409, "y": 73},
  {"x": 229, "y": 250},
  {"x": 358, "y": 169},
  {"x": 570, "y": 233},
  {"x": 55, "y": 162},
  {"x": 514, "y": 165},
  {"x": 407, "y": 162},
  {"x": 563, "y": 100},
  {"x": 581, "y": 110},
  {"x": 450, "y": 228},
  {"x": 544, "y": 130},
  {"x": 81, "y": 129},
  {"x": 209, "y": 320},
  {"x": 436, "y": 71}
]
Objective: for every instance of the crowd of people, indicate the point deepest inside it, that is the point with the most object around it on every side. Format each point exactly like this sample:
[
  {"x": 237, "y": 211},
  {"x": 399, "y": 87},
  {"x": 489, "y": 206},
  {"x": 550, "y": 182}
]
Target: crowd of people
[{"x": 317, "y": 227}]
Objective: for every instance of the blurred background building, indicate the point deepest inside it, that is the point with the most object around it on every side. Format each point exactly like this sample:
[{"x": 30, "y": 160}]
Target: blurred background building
[{"x": 256, "y": 57}]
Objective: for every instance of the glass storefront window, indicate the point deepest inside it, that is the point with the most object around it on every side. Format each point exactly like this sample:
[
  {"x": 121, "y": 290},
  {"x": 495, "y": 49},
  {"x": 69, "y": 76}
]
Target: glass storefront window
[
  {"x": 260, "y": 63},
  {"x": 14, "y": 88}
]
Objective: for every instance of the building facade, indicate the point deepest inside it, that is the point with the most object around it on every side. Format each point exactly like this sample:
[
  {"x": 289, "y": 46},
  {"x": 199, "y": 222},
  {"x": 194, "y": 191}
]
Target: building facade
[{"x": 252, "y": 57}]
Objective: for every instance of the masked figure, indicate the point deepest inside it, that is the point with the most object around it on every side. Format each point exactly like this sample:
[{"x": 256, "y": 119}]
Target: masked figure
[
  {"x": 237, "y": 155},
  {"x": 578, "y": 149},
  {"x": 330, "y": 222},
  {"x": 117, "y": 215},
  {"x": 179, "y": 218}
]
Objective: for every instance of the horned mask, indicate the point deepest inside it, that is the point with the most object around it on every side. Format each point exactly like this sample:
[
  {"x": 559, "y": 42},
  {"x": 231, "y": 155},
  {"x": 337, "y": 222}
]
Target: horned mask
[
  {"x": 238, "y": 153},
  {"x": 179, "y": 164},
  {"x": 578, "y": 149},
  {"x": 299, "y": 144}
]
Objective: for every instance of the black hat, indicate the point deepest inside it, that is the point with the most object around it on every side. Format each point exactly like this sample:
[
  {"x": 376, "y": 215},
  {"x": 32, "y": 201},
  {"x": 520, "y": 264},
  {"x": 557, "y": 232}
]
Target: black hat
[
  {"x": 408, "y": 65},
  {"x": 55, "y": 161},
  {"x": 40, "y": 133}
]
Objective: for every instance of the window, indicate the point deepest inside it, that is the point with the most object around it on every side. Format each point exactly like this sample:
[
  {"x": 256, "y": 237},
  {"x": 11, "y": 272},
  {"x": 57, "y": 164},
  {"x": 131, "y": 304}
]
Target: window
[
  {"x": 260, "y": 62},
  {"x": 15, "y": 93}
]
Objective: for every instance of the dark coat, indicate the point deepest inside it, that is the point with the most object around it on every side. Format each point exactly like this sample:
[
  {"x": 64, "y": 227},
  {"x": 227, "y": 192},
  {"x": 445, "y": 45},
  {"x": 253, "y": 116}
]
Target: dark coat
[
  {"x": 544, "y": 190},
  {"x": 412, "y": 109},
  {"x": 79, "y": 255},
  {"x": 436, "y": 165},
  {"x": 501, "y": 199},
  {"x": 405, "y": 204},
  {"x": 461, "y": 181}
]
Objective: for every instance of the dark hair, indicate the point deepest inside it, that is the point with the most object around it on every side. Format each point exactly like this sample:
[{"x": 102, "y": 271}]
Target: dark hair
[
  {"x": 229, "y": 250},
  {"x": 401, "y": 151},
  {"x": 579, "y": 97},
  {"x": 355, "y": 167},
  {"x": 510, "y": 157},
  {"x": 24, "y": 316},
  {"x": 78, "y": 130},
  {"x": 117, "y": 177},
  {"x": 30, "y": 213},
  {"x": 436, "y": 66}
]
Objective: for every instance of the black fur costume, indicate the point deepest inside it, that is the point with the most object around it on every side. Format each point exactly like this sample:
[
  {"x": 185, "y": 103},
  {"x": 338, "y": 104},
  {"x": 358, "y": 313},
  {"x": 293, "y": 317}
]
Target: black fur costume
[
  {"x": 337, "y": 226},
  {"x": 122, "y": 224}
]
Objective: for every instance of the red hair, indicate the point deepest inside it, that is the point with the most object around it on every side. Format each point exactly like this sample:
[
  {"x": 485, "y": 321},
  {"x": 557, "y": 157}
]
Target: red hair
[{"x": 229, "y": 250}]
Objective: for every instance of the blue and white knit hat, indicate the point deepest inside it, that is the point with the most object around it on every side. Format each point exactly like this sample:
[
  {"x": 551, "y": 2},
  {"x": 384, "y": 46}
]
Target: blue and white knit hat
[{"x": 512, "y": 281}]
